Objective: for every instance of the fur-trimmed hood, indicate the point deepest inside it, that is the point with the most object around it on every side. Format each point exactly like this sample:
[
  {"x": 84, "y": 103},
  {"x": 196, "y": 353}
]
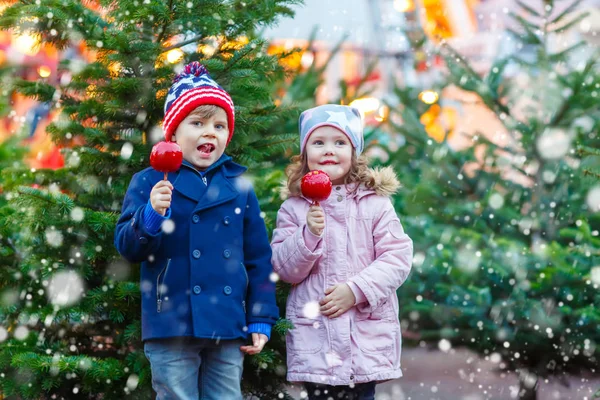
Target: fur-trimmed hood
[{"x": 386, "y": 184}]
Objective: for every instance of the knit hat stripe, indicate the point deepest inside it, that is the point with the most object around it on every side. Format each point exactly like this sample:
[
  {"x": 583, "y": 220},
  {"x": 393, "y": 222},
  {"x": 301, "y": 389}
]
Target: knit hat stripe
[
  {"x": 192, "y": 88},
  {"x": 185, "y": 84},
  {"x": 191, "y": 95}
]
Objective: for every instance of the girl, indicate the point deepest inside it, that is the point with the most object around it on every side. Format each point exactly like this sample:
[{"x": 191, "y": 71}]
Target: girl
[{"x": 345, "y": 258}]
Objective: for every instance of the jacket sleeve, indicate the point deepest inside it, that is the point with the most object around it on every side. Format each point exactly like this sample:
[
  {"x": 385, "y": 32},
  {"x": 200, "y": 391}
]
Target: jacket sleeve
[
  {"x": 262, "y": 307},
  {"x": 132, "y": 239},
  {"x": 393, "y": 260},
  {"x": 292, "y": 259}
]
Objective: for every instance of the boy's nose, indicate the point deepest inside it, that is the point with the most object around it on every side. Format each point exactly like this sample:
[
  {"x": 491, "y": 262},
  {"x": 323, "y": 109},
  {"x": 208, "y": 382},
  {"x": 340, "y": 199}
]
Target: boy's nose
[{"x": 209, "y": 131}]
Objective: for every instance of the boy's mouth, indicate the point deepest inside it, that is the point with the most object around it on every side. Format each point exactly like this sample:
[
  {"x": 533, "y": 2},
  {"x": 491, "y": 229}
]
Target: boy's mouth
[{"x": 206, "y": 148}]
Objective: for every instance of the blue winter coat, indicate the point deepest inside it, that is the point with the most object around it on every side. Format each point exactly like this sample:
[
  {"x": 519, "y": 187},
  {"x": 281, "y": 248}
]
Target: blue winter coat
[{"x": 210, "y": 277}]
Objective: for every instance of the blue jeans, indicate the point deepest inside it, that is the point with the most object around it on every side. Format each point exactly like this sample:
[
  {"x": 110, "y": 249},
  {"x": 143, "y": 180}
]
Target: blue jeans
[
  {"x": 360, "y": 391},
  {"x": 188, "y": 368}
]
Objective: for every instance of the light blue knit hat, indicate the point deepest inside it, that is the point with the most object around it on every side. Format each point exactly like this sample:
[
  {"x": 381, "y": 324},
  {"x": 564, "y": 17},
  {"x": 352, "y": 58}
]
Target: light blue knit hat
[{"x": 345, "y": 118}]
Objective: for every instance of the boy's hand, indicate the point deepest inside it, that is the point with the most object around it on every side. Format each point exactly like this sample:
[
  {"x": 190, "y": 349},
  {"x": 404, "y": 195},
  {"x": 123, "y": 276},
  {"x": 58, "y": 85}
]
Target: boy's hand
[
  {"x": 315, "y": 220},
  {"x": 160, "y": 197},
  {"x": 259, "y": 340},
  {"x": 338, "y": 300}
]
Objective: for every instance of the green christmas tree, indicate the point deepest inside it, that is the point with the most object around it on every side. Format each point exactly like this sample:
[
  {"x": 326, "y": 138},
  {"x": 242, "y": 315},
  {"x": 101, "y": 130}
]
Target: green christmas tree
[
  {"x": 70, "y": 307},
  {"x": 506, "y": 237}
]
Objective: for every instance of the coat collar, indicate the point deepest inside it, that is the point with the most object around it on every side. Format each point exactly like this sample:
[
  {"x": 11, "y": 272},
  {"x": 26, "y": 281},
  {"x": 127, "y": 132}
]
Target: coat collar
[{"x": 219, "y": 190}]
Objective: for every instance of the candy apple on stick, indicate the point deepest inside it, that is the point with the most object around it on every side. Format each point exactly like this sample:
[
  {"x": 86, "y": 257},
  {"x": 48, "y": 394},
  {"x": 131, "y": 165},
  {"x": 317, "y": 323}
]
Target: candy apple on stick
[
  {"x": 166, "y": 157},
  {"x": 316, "y": 186}
]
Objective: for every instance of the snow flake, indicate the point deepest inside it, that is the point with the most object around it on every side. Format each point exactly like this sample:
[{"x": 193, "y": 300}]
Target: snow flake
[
  {"x": 21, "y": 333},
  {"x": 553, "y": 144},
  {"x": 132, "y": 382},
  {"x": 311, "y": 310},
  {"x": 126, "y": 151},
  {"x": 65, "y": 288},
  {"x": 593, "y": 199},
  {"x": 444, "y": 345},
  {"x": 54, "y": 238},
  {"x": 168, "y": 226},
  {"x": 77, "y": 214}
]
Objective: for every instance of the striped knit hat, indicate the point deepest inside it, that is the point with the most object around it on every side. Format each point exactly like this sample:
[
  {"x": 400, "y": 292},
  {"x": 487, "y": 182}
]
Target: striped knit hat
[{"x": 192, "y": 88}]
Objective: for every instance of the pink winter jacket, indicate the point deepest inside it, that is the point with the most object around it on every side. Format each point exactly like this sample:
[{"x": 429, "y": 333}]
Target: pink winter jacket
[{"x": 363, "y": 244}]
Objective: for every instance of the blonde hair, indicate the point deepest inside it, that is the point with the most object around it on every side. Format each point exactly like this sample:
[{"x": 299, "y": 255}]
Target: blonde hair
[
  {"x": 205, "y": 110},
  {"x": 358, "y": 174}
]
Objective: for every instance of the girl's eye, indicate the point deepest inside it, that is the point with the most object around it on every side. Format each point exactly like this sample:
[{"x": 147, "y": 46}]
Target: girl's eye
[
  {"x": 318, "y": 142},
  {"x": 340, "y": 142}
]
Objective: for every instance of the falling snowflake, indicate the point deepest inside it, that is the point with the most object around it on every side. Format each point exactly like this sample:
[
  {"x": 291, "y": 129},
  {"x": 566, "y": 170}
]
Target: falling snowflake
[
  {"x": 54, "y": 238},
  {"x": 445, "y": 345},
  {"x": 21, "y": 333},
  {"x": 77, "y": 214},
  {"x": 65, "y": 288},
  {"x": 553, "y": 144},
  {"x": 593, "y": 199},
  {"x": 595, "y": 275},
  {"x": 126, "y": 151},
  {"x": 168, "y": 226},
  {"x": 311, "y": 310},
  {"x": 132, "y": 382},
  {"x": 496, "y": 201}
]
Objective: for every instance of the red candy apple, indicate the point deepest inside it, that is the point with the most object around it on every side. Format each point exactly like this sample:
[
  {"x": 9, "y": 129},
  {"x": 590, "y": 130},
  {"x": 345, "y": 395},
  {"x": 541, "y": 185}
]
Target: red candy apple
[
  {"x": 166, "y": 157},
  {"x": 316, "y": 186}
]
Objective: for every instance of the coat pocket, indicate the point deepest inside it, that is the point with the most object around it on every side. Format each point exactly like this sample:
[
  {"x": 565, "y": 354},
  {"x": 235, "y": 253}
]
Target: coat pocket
[
  {"x": 376, "y": 332},
  {"x": 307, "y": 336}
]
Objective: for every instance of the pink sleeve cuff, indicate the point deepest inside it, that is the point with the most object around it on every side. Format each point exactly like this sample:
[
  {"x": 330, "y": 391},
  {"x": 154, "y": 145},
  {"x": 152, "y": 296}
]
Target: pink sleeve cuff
[
  {"x": 310, "y": 240},
  {"x": 358, "y": 294}
]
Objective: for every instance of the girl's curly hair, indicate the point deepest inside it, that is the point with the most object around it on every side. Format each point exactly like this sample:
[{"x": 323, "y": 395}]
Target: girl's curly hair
[{"x": 358, "y": 174}]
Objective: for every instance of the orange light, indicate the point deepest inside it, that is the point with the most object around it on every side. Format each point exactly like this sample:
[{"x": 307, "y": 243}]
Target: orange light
[
  {"x": 174, "y": 56},
  {"x": 44, "y": 71}
]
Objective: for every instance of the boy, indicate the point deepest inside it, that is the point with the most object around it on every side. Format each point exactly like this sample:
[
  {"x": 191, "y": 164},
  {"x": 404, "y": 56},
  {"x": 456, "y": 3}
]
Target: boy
[{"x": 205, "y": 254}]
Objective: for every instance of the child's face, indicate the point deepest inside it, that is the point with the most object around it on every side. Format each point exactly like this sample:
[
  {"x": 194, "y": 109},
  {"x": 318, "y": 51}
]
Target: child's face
[
  {"x": 329, "y": 150},
  {"x": 202, "y": 139}
]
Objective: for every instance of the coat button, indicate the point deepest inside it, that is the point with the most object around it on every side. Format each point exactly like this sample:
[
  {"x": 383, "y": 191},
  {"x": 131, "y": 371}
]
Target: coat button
[
  {"x": 197, "y": 289},
  {"x": 227, "y": 290},
  {"x": 338, "y": 188},
  {"x": 143, "y": 240},
  {"x": 226, "y": 253},
  {"x": 195, "y": 219},
  {"x": 196, "y": 253},
  {"x": 351, "y": 377},
  {"x": 340, "y": 198},
  {"x": 226, "y": 220}
]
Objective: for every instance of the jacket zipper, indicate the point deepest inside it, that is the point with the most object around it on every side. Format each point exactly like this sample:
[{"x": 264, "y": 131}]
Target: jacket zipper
[
  {"x": 247, "y": 283},
  {"x": 158, "y": 282}
]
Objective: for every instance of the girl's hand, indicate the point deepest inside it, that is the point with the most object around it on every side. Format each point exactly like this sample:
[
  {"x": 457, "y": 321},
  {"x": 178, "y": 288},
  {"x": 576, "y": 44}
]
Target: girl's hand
[
  {"x": 258, "y": 343},
  {"x": 315, "y": 220},
  {"x": 160, "y": 197},
  {"x": 338, "y": 300}
]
